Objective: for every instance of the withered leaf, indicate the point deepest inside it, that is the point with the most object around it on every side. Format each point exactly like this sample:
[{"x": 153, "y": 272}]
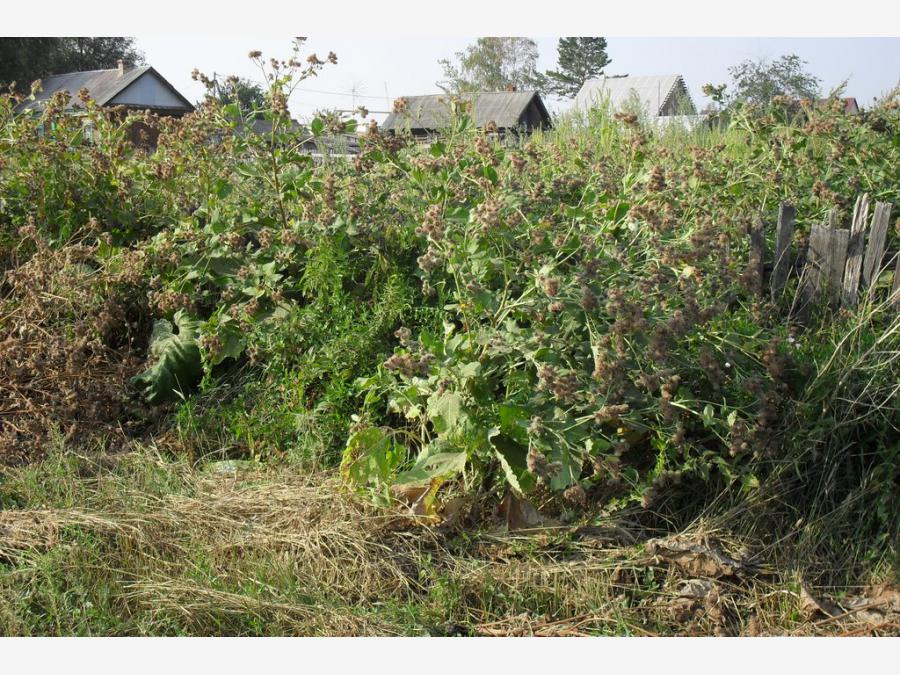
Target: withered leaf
[{"x": 519, "y": 514}]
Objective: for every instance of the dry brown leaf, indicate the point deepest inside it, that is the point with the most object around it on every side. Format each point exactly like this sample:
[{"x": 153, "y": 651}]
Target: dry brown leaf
[
  {"x": 684, "y": 609},
  {"x": 519, "y": 514},
  {"x": 696, "y": 588},
  {"x": 419, "y": 499},
  {"x": 409, "y": 494},
  {"x": 877, "y": 606},
  {"x": 812, "y": 605},
  {"x": 888, "y": 597},
  {"x": 455, "y": 510},
  {"x": 604, "y": 536},
  {"x": 697, "y": 559},
  {"x": 754, "y": 627}
]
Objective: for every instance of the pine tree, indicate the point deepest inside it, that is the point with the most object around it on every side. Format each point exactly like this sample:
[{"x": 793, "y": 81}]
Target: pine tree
[{"x": 580, "y": 59}]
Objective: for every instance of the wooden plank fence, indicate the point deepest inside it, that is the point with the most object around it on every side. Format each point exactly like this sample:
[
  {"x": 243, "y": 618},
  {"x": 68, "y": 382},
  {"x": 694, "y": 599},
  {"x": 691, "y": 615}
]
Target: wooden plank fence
[{"x": 837, "y": 266}]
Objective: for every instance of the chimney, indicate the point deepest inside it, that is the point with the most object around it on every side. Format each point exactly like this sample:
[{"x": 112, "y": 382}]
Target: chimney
[{"x": 121, "y": 65}]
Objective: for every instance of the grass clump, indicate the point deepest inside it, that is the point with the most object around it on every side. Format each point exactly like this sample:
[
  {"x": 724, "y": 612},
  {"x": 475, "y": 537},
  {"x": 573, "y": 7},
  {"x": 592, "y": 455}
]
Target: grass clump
[{"x": 145, "y": 544}]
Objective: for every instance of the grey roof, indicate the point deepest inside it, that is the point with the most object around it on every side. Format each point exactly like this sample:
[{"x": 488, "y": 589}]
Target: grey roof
[
  {"x": 103, "y": 86},
  {"x": 505, "y": 108},
  {"x": 335, "y": 144},
  {"x": 654, "y": 91}
]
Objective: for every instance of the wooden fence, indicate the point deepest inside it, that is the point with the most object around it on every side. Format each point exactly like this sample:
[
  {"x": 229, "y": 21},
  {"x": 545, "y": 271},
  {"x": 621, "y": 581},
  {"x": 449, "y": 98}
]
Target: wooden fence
[{"x": 838, "y": 264}]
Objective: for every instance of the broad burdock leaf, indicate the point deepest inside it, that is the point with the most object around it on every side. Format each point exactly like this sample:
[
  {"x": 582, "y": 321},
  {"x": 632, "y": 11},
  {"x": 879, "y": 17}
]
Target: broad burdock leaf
[
  {"x": 429, "y": 466},
  {"x": 513, "y": 461},
  {"x": 177, "y": 365},
  {"x": 233, "y": 342},
  {"x": 370, "y": 459},
  {"x": 570, "y": 468},
  {"x": 446, "y": 412}
]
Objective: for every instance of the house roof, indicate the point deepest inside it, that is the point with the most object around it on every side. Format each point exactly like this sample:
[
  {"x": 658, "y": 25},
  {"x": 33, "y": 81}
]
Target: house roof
[
  {"x": 337, "y": 144},
  {"x": 505, "y": 108},
  {"x": 103, "y": 86},
  {"x": 653, "y": 91},
  {"x": 850, "y": 104}
]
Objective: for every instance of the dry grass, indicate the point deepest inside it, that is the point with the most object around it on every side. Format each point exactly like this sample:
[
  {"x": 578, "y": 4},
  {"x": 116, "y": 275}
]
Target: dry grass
[{"x": 154, "y": 547}]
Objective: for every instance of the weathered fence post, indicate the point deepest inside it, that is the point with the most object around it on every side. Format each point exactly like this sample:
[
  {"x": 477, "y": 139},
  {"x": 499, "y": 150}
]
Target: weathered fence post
[
  {"x": 877, "y": 239},
  {"x": 857, "y": 242},
  {"x": 895, "y": 291},
  {"x": 783, "y": 236}
]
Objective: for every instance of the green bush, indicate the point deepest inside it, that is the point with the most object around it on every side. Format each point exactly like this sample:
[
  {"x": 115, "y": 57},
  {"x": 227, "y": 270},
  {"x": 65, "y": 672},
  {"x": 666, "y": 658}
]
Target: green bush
[{"x": 570, "y": 311}]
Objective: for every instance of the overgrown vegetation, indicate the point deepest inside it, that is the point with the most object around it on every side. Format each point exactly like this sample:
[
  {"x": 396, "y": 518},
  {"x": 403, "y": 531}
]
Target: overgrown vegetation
[{"x": 559, "y": 331}]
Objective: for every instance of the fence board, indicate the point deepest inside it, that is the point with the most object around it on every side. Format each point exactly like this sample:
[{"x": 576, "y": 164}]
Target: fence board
[
  {"x": 836, "y": 264},
  {"x": 812, "y": 278},
  {"x": 895, "y": 291},
  {"x": 875, "y": 247},
  {"x": 826, "y": 258},
  {"x": 783, "y": 236},
  {"x": 855, "y": 248}
]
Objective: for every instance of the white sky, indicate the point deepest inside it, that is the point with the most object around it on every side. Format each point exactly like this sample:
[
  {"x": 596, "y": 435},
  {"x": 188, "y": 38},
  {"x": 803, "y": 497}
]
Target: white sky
[{"x": 382, "y": 69}]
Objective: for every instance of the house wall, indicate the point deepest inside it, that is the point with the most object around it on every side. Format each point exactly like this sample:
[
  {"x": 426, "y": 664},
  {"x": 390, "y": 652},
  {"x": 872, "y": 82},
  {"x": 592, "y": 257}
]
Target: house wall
[
  {"x": 148, "y": 92},
  {"x": 532, "y": 117},
  {"x": 143, "y": 136},
  {"x": 678, "y": 104}
]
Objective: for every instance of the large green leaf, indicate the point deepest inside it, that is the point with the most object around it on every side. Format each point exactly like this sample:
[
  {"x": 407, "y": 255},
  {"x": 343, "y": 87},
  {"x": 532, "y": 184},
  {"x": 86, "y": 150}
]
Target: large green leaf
[
  {"x": 514, "y": 420},
  {"x": 233, "y": 342},
  {"x": 440, "y": 465},
  {"x": 446, "y": 412},
  {"x": 177, "y": 366},
  {"x": 513, "y": 461},
  {"x": 370, "y": 459},
  {"x": 570, "y": 470}
]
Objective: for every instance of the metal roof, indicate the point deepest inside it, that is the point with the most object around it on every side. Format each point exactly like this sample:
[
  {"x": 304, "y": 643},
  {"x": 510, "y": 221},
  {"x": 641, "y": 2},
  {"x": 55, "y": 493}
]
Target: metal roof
[
  {"x": 505, "y": 108},
  {"x": 103, "y": 86},
  {"x": 653, "y": 91}
]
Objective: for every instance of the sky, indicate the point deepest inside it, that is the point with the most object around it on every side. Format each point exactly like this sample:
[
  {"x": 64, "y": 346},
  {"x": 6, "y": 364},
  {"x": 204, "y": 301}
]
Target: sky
[{"x": 373, "y": 72}]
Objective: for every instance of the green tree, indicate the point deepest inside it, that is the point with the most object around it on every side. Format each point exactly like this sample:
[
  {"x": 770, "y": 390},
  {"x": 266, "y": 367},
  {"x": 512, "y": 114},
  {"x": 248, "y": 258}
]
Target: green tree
[
  {"x": 493, "y": 64},
  {"x": 247, "y": 94},
  {"x": 25, "y": 59},
  {"x": 758, "y": 81},
  {"x": 579, "y": 59}
]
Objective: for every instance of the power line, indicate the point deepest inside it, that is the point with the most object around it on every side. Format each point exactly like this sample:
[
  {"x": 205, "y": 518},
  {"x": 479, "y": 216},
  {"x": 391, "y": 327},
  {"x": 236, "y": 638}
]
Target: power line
[{"x": 341, "y": 93}]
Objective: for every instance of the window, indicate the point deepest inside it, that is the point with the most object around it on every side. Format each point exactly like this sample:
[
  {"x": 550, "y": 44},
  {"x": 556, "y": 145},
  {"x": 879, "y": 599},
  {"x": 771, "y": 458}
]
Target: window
[{"x": 87, "y": 129}]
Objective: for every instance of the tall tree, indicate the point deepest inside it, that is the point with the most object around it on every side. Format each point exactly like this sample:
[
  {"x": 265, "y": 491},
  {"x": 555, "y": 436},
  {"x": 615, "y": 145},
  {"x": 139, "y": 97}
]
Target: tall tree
[
  {"x": 493, "y": 64},
  {"x": 247, "y": 94},
  {"x": 25, "y": 59},
  {"x": 758, "y": 81},
  {"x": 579, "y": 59}
]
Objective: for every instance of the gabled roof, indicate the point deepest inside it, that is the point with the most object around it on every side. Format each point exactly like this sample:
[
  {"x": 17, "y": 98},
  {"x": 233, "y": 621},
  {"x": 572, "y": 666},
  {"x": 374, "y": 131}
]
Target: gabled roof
[
  {"x": 505, "y": 108},
  {"x": 653, "y": 91},
  {"x": 103, "y": 86}
]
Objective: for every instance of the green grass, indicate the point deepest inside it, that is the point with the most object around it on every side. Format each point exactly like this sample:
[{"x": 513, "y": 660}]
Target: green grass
[{"x": 142, "y": 543}]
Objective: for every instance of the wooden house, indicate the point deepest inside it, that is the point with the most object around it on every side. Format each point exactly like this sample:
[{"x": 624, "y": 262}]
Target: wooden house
[
  {"x": 510, "y": 112},
  {"x": 136, "y": 88},
  {"x": 657, "y": 98}
]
